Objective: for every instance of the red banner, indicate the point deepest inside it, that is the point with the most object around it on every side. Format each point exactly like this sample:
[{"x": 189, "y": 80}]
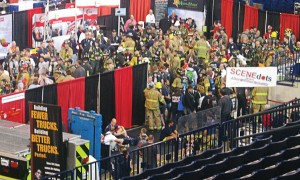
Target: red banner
[
  {"x": 12, "y": 107},
  {"x": 123, "y": 96}
]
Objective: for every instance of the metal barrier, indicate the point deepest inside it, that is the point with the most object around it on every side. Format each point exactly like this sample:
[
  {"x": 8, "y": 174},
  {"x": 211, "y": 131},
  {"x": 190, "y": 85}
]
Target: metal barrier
[
  {"x": 198, "y": 120},
  {"x": 147, "y": 157},
  {"x": 286, "y": 104},
  {"x": 197, "y": 141},
  {"x": 191, "y": 143},
  {"x": 288, "y": 66},
  {"x": 256, "y": 123}
]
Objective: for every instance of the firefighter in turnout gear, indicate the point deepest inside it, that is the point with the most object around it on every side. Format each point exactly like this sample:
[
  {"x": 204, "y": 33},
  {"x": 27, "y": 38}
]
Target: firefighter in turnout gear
[
  {"x": 153, "y": 98},
  {"x": 103, "y": 61},
  {"x": 201, "y": 47},
  {"x": 259, "y": 98},
  {"x": 95, "y": 59},
  {"x": 129, "y": 43},
  {"x": 205, "y": 81}
]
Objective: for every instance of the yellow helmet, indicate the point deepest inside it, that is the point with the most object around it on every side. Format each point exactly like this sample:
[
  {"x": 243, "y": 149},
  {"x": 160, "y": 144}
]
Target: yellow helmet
[
  {"x": 223, "y": 60},
  {"x": 274, "y": 34},
  {"x": 158, "y": 85}
]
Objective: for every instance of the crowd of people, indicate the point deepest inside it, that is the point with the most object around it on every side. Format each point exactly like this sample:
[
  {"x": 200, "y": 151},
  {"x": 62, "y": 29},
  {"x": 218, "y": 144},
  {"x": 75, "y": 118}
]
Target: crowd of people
[{"x": 187, "y": 70}]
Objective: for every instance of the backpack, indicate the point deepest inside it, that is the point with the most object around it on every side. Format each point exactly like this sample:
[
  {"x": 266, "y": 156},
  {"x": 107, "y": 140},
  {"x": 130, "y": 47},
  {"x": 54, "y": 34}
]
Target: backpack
[
  {"x": 181, "y": 104},
  {"x": 190, "y": 75}
]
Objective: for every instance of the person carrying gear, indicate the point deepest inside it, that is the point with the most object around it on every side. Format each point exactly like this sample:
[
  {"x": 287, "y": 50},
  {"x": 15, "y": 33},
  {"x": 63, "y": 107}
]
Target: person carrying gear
[
  {"x": 153, "y": 98},
  {"x": 259, "y": 98}
]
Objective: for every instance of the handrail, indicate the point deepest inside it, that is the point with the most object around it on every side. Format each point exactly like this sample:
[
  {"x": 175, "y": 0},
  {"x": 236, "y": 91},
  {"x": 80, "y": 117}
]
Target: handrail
[
  {"x": 264, "y": 112},
  {"x": 269, "y": 132}
]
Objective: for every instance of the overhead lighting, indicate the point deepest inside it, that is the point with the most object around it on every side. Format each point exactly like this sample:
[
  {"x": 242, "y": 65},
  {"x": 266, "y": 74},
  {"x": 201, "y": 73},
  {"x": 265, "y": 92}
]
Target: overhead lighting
[{"x": 3, "y": 12}]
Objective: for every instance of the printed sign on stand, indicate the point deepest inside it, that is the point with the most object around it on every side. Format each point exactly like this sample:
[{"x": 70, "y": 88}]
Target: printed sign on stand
[
  {"x": 251, "y": 76},
  {"x": 46, "y": 140}
]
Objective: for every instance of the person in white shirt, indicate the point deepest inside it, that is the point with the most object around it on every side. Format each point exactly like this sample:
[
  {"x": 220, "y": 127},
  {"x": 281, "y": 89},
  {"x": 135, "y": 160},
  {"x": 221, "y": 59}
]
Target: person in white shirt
[{"x": 150, "y": 18}]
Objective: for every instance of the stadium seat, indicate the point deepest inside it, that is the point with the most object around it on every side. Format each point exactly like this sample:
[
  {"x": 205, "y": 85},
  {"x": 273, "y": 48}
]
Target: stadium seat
[
  {"x": 287, "y": 166},
  {"x": 255, "y": 154},
  {"x": 194, "y": 165},
  {"x": 189, "y": 175},
  {"x": 293, "y": 141},
  {"x": 290, "y": 176},
  {"x": 263, "y": 174},
  {"x": 160, "y": 176},
  {"x": 233, "y": 162},
  {"x": 290, "y": 153},
  {"x": 222, "y": 156},
  {"x": 210, "y": 170},
  {"x": 246, "y": 169},
  {"x": 261, "y": 142},
  {"x": 270, "y": 161},
  {"x": 211, "y": 152},
  {"x": 159, "y": 170},
  {"x": 226, "y": 175},
  {"x": 275, "y": 147},
  {"x": 280, "y": 169},
  {"x": 242, "y": 149}
]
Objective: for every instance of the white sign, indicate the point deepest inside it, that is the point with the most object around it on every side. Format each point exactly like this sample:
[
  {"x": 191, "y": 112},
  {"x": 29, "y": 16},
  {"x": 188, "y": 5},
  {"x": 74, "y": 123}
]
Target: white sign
[
  {"x": 251, "y": 76},
  {"x": 5, "y": 33},
  {"x": 12, "y": 98}
]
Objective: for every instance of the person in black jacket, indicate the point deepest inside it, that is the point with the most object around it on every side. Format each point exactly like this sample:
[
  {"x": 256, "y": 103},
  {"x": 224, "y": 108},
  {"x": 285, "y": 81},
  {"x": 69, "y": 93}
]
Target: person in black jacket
[
  {"x": 189, "y": 101},
  {"x": 226, "y": 106},
  {"x": 165, "y": 24}
]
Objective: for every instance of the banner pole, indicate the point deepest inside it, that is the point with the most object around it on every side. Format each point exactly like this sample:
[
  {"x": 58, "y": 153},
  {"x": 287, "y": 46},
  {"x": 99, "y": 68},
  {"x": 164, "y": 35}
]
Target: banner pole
[
  {"x": 99, "y": 91},
  {"x": 212, "y": 12},
  {"x": 119, "y": 19}
]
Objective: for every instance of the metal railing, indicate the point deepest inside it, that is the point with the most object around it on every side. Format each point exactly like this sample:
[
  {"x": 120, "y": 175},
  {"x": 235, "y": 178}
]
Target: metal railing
[
  {"x": 256, "y": 123},
  {"x": 288, "y": 66},
  {"x": 286, "y": 104},
  {"x": 195, "y": 121},
  {"x": 147, "y": 157},
  {"x": 230, "y": 134},
  {"x": 197, "y": 141}
]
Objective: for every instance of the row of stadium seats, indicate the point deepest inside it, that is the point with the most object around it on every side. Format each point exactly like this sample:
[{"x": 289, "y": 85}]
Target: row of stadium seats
[{"x": 250, "y": 161}]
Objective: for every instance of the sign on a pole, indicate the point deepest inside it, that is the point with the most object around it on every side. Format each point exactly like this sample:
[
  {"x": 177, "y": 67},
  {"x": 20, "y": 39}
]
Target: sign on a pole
[{"x": 251, "y": 76}]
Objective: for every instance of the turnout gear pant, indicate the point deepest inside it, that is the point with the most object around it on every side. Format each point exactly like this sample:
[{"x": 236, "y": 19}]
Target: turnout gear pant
[{"x": 153, "y": 119}]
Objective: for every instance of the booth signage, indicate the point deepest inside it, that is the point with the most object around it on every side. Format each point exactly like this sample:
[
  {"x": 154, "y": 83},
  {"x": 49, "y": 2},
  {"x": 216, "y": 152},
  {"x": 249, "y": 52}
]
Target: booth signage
[
  {"x": 197, "y": 5},
  {"x": 251, "y": 77},
  {"x": 46, "y": 140}
]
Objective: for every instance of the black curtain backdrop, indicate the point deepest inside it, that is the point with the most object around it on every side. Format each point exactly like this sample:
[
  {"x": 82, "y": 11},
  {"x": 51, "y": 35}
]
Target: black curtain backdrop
[
  {"x": 91, "y": 90},
  {"x": 139, "y": 83},
  {"x": 261, "y": 21},
  {"x": 33, "y": 95},
  {"x": 152, "y": 5},
  {"x": 50, "y": 94},
  {"x": 110, "y": 21},
  {"x": 241, "y": 18},
  {"x": 217, "y": 10},
  {"x": 237, "y": 19},
  {"x": 126, "y": 4},
  {"x": 20, "y": 29},
  {"x": 209, "y": 17},
  {"x": 107, "y": 98},
  {"x": 274, "y": 20},
  {"x": 212, "y": 6}
]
